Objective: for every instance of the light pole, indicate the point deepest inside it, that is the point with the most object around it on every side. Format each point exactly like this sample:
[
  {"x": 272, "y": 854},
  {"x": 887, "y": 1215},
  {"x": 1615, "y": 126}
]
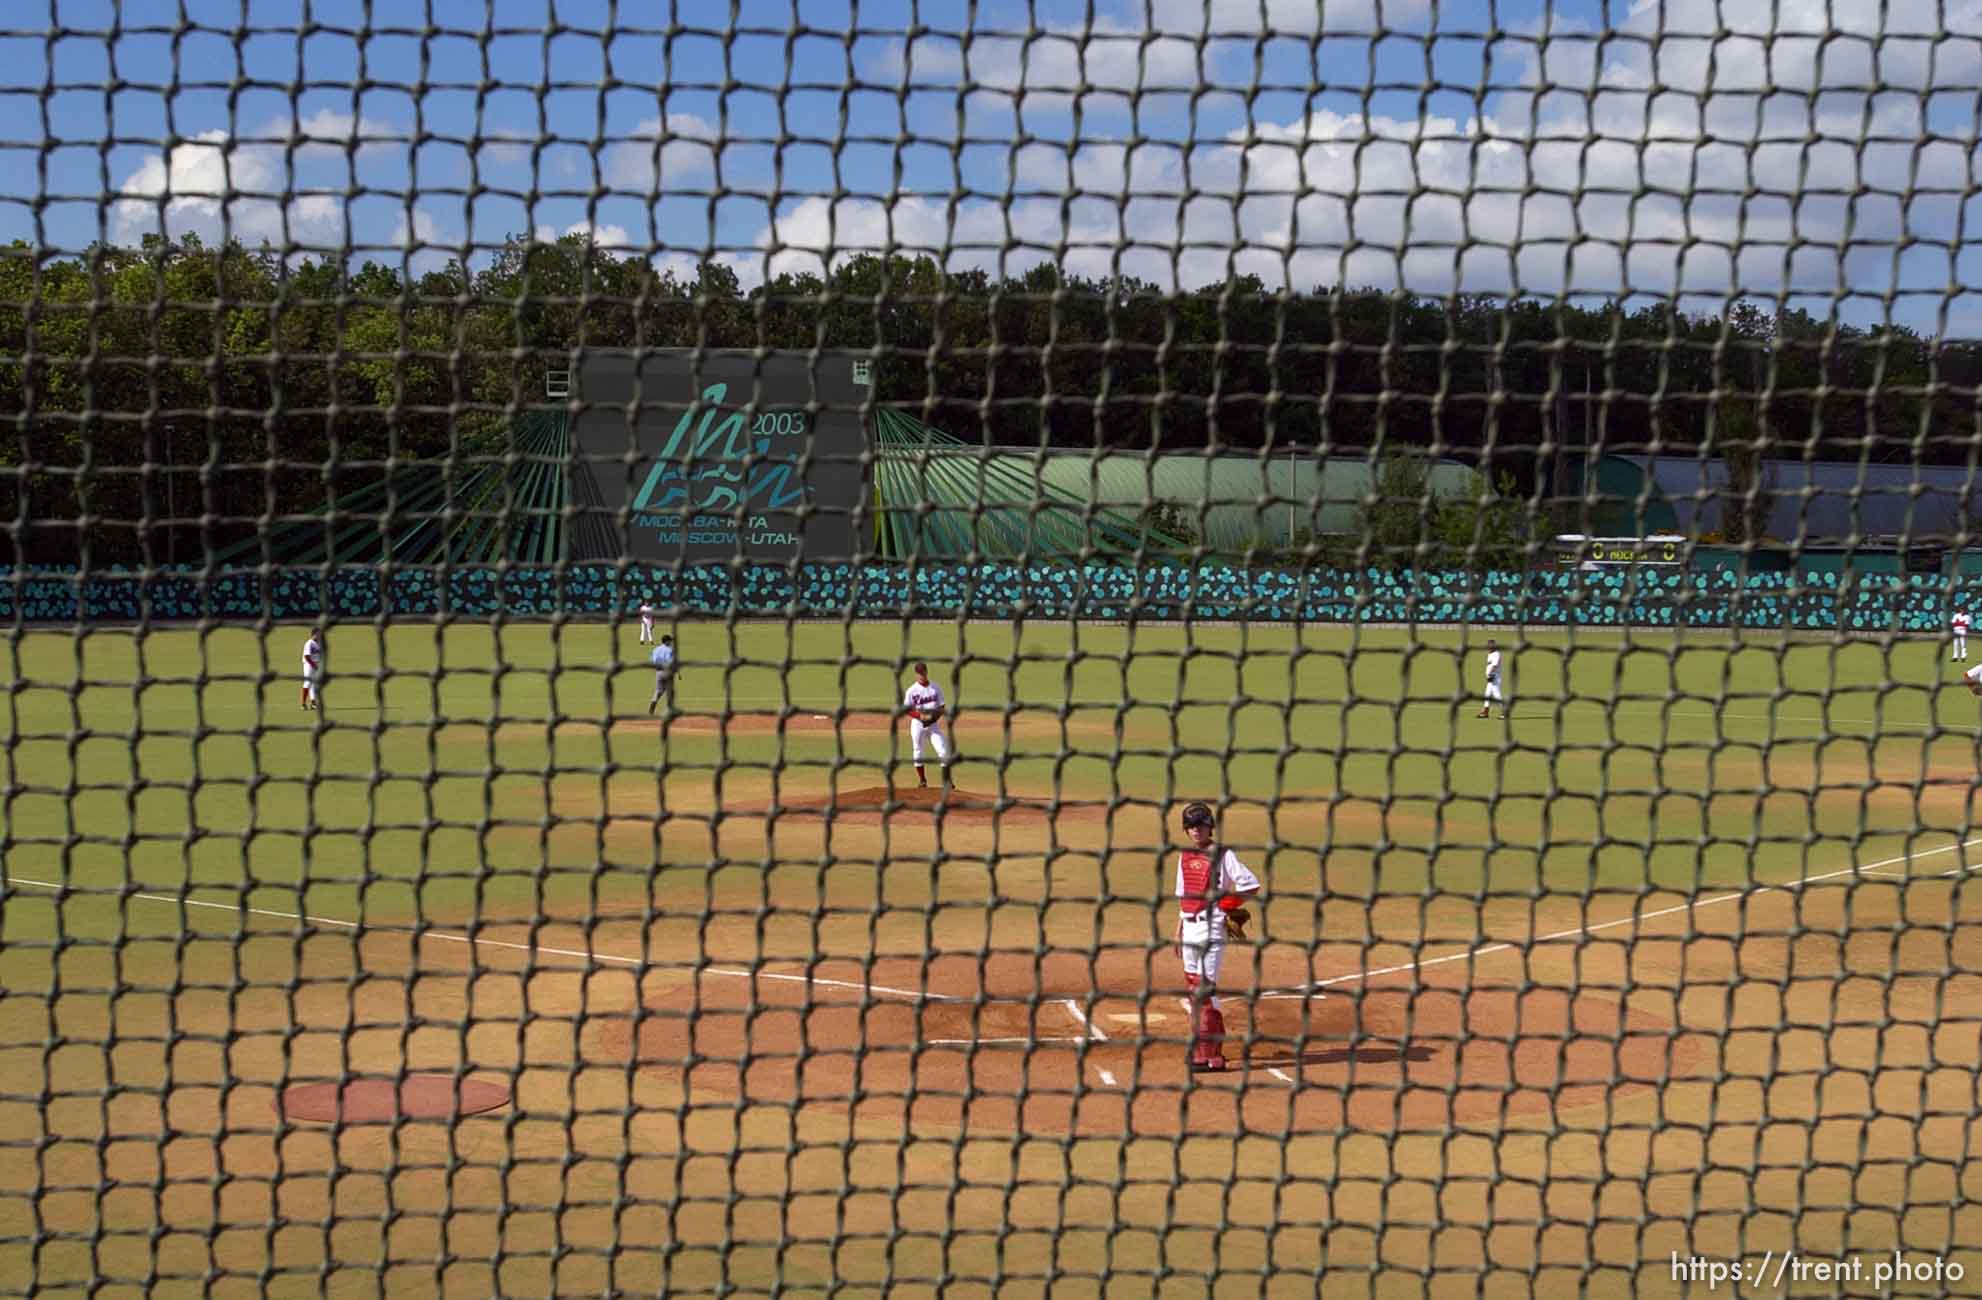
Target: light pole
[
  {"x": 1294, "y": 451},
  {"x": 1292, "y": 480}
]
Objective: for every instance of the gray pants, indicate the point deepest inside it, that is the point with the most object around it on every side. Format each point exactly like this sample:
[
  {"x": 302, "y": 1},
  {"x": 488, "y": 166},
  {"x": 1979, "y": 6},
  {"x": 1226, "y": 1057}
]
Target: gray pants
[{"x": 663, "y": 686}]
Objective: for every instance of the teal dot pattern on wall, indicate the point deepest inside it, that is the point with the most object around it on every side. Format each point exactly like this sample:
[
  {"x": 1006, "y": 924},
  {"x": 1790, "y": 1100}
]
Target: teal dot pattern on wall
[{"x": 1817, "y": 600}]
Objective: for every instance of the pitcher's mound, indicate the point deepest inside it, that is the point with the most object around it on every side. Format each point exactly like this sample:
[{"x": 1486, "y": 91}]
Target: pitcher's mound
[
  {"x": 875, "y": 802},
  {"x": 377, "y": 1101}
]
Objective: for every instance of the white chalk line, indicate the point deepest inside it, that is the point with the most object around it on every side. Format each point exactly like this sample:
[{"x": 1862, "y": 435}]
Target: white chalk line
[
  {"x": 442, "y": 936},
  {"x": 1635, "y": 918},
  {"x": 1280, "y": 1074},
  {"x": 1094, "y": 1032},
  {"x": 1093, "y": 1029}
]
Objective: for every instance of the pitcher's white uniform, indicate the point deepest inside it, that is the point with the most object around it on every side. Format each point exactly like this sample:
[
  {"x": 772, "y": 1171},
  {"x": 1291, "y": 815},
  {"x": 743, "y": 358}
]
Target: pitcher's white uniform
[
  {"x": 1201, "y": 932},
  {"x": 1493, "y": 691},
  {"x": 646, "y": 623},
  {"x": 1960, "y": 636},
  {"x": 917, "y": 699}
]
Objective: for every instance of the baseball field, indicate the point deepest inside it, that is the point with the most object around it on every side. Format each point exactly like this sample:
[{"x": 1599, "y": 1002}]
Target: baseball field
[{"x": 1683, "y": 957}]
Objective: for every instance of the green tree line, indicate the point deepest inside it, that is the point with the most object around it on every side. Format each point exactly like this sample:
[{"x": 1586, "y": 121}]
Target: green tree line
[{"x": 224, "y": 388}]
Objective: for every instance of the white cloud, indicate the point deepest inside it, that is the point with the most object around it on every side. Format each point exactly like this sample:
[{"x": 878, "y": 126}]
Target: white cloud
[
  {"x": 504, "y": 147},
  {"x": 422, "y": 242},
  {"x": 422, "y": 233},
  {"x": 1150, "y": 45},
  {"x": 216, "y": 184},
  {"x": 683, "y": 266},
  {"x": 286, "y": 182},
  {"x": 1652, "y": 157},
  {"x": 1182, "y": 44},
  {"x": 603, "y": 236},
  {"x": 1287, "y": 17},
  {"x": 1699, "y": 145},
  {"x": 331, "y": 134},
  {"x": 818, "y": 233},
  {"x": 653, "y": 158}
]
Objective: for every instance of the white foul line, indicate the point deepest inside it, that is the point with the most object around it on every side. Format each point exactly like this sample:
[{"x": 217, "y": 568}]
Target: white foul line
[
  {"x": 1081, "y": 1016},
  {"x": 604, "y": 958},
  {"x": 1073, "y": 1008},
  {"x": 1633, "y": 919},
  {"x": 1280, "y": 1074}
]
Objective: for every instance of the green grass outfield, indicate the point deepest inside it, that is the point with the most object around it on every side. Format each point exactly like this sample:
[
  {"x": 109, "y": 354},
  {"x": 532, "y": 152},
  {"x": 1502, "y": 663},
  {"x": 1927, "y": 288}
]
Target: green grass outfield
[{"x": 182, "y": 758}]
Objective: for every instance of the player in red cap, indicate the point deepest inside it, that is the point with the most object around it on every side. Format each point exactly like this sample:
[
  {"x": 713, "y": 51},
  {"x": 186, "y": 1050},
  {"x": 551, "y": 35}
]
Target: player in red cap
[{"x": 1213, "y": 887}]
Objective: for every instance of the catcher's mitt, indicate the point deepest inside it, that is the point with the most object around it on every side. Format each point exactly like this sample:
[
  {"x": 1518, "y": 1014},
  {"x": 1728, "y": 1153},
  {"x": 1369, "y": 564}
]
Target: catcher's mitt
[{"x": 1236, "y": 922}]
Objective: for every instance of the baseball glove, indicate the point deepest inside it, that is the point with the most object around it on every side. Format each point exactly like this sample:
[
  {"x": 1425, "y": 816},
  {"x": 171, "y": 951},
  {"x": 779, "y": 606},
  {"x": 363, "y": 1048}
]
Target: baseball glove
[{"x": 1236, "y": 922}]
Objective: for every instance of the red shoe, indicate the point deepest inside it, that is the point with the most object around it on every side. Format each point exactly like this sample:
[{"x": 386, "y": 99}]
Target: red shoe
[{"x": 1210, "y": 1065}]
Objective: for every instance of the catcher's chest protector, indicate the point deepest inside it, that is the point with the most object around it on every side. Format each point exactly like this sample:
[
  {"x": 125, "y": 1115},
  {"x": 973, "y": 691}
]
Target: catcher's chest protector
[{"x": 1198, "y": 891}]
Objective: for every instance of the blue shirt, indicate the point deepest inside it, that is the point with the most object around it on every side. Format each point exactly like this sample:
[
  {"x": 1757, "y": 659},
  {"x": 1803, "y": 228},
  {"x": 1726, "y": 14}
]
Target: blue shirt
[{"x": 663, "y": 656}]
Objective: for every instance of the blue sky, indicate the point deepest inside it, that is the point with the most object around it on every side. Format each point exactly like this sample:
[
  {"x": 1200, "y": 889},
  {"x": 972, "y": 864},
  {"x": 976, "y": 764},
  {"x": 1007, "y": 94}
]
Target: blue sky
[{"x": 1589, "y": 149}]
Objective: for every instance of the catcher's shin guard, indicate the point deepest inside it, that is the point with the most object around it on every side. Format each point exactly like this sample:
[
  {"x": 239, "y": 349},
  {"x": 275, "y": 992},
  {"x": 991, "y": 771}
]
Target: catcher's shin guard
[
  {"x": 1212, "y": 1037},
  {"x": 1208, "y": 1037},
  {"x": 1198, "y": 1008}
]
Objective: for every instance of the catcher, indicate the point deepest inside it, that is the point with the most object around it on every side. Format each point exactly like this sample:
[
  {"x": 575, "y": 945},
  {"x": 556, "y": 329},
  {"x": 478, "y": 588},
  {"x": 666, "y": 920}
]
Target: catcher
[
  {"x": 923, "y": 703},
  {"x": 1213, "y": 888}
]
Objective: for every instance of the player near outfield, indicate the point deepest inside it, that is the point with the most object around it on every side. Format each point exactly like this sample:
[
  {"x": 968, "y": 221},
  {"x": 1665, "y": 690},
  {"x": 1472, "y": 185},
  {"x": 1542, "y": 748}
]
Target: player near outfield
[
  {"x": 1960, "y": 635},
  {"x": 313, "y": 670},
  {"x": 1213, "y": 888},
  {"x": 924, "y": 704},
  {"x": 1494, "y": 693}
]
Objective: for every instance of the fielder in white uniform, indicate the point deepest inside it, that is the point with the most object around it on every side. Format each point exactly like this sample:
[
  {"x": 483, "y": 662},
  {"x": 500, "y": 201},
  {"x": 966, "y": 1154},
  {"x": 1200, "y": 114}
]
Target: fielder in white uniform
[
  {"x": 313, "y": 670},
  {"x": 923, "y": 703},
  {"x": 1973, "y": 678},
  {"x": 1209, "y": 898},
  {"x": 1960, "y": 637},
  {"x": 1494, "y": 694},
  {"x": 646, "y": 622}
]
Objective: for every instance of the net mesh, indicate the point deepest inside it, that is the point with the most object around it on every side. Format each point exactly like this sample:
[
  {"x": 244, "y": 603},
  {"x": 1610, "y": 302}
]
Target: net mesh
[{"x": 613, "y": 613}]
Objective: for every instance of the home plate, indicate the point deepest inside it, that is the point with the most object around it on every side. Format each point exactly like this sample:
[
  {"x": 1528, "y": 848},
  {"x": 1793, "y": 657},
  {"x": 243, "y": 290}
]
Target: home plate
[{"x": 1154, "y": 1018}]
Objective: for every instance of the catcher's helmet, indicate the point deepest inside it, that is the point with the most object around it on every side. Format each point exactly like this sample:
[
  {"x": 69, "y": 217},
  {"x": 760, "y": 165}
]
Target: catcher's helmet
[{"x": 1198, "y": 814}]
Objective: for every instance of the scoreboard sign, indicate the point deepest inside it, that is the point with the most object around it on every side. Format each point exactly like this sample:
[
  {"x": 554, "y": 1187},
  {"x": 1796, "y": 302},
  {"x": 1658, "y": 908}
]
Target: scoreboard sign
[
  {"x": 1575, "y": 551},
  {"x": 722, "y": 455}
]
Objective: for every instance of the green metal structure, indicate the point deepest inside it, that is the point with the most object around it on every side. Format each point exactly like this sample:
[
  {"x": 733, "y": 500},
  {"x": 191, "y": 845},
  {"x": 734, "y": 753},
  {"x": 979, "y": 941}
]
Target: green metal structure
[
  {"x": 933, "y": 496},
  {"x": 476, "y": 510},
  {"x": 932, "y": 490},
  {"x": 936, "y": 496}
]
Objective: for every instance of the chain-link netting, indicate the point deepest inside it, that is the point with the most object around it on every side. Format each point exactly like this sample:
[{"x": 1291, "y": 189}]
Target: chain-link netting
[{"x": 988, "y": 649}]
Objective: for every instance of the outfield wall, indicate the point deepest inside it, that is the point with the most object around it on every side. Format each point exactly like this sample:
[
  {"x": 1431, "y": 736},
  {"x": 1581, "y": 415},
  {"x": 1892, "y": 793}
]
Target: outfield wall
[{"x": 1813, "y": 600}]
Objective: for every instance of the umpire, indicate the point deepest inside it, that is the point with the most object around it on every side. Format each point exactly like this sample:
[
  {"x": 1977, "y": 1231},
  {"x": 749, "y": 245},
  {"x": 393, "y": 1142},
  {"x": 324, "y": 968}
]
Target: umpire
[{"x": 664, "y": 673}]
